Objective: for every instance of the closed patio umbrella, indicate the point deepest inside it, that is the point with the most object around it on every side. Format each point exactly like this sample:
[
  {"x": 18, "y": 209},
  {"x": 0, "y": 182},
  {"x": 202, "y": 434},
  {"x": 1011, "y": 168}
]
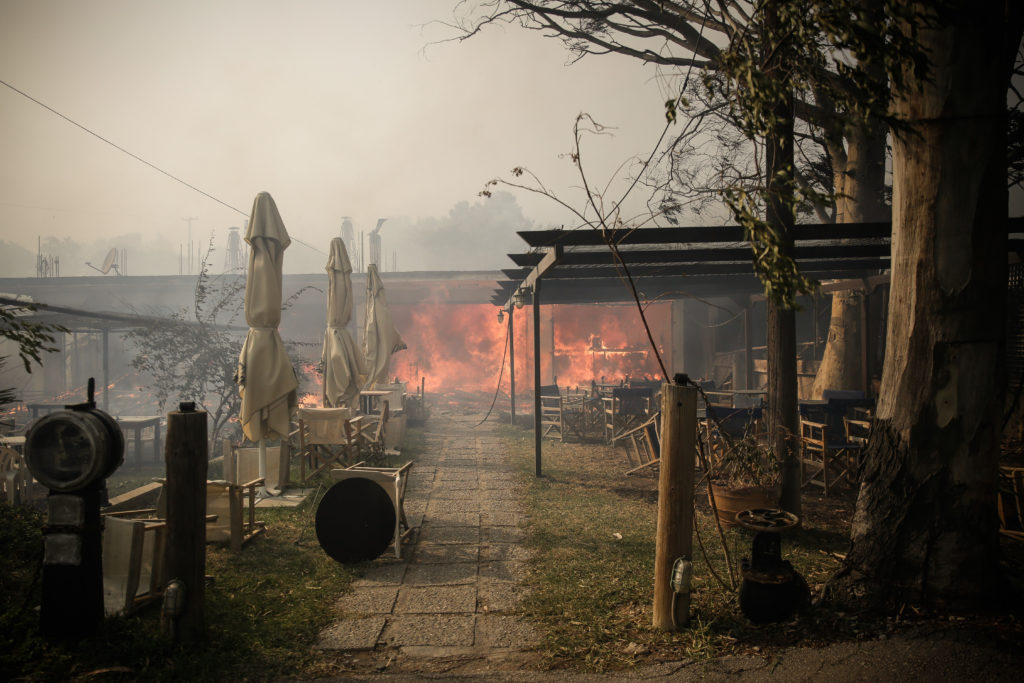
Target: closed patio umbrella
[
  {"x": 266, "y": 379},
  {"x": 343, "y": 361},
  {"x": 380, "y": 338}
]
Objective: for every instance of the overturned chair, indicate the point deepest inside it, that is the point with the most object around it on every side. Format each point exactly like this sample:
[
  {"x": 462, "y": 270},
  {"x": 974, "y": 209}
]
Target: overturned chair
[
  {"x": 364, "y": 513},
  {"x": 643, "y": 445},
  {"x": 133, "y": 559}
]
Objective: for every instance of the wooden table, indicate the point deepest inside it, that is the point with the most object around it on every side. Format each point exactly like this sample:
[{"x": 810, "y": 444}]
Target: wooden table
[
  {"x": 137, "y": 423},
  {"x": 369, "y": 400},
  {"x": 44, "y": 408},
  {"x": 15, "y": 442}
]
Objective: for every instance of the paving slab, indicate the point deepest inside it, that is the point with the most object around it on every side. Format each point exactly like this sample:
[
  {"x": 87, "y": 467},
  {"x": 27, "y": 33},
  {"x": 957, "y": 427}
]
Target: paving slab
[
  {"x": 454, "y": 518},
  {"x": 499, "y": 630},
  {"x": 439, "y": 630},
  {"x": 461, "y": 504},
  {"x": 369, "y": 600},
  {"x": 436, "y": 600},
  {"x": 493, "y": 552},
  {"x": 441, "y": 574},
  {"x": 352, "y": 634},
  {"x": 498, "y": 596},
  {"x": 435, "y": 533},
  {"x": 445, "y": 553},
  {"x": 382, "y": 574},
  {"x": 456, "y": 592},
  {"x": 502, "y": 534}
]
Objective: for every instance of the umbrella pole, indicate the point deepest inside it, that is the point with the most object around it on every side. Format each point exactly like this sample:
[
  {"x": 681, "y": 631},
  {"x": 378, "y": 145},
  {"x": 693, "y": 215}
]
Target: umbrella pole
[{"x": 264, "y": 491}]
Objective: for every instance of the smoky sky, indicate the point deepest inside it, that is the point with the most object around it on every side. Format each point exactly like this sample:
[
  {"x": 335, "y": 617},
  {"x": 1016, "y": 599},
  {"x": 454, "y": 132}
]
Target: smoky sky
[{"x": 334, "y": 108}]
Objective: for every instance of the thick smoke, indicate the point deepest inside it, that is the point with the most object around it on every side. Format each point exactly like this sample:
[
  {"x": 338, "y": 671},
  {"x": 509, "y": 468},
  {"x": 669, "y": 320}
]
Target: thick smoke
[{"x": 473, "y": 236}]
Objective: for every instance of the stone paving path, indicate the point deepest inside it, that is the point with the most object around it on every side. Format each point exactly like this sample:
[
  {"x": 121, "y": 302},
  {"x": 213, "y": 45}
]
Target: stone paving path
[{"x": 453, "y": 592}]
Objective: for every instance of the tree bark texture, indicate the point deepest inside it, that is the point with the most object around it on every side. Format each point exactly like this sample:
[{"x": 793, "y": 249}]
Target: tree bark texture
[
  {"x": 858, "y": 163},
  {"x": 925, "y": 527},
  {"x": 780, "y": 335}
]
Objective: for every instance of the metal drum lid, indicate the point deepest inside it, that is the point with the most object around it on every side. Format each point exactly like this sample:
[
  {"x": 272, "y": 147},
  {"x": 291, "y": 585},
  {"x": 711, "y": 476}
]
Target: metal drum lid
[
  {"x": 355, "y": 520},
  {"x": 71, "y": 449}
]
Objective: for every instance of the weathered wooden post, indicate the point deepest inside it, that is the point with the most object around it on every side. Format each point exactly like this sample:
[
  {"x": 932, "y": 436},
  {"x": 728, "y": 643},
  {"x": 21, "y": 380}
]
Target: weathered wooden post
[
  {"x": 675, "y": 503},
  {"x": 185, "y": 559}
]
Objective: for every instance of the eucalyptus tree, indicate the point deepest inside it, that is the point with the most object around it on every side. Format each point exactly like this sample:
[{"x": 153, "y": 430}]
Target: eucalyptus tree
[
  {"x": 831, "y": 101},
  {"x": 925, "y": 528}
]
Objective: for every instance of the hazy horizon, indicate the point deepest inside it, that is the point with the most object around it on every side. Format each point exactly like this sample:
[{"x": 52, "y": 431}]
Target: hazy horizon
[{"x": 336, "y": 109}]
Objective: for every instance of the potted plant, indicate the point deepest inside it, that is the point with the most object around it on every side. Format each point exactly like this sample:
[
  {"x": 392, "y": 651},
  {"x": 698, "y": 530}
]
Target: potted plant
[{"x": 744, "y": 475}]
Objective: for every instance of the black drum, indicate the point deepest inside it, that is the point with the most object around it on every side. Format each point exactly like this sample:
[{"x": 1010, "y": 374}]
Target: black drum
[{"x": 355, "y": 520}]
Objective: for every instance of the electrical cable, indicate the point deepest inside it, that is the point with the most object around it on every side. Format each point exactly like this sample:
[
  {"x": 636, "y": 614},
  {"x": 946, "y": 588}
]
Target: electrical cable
[
  {"x": 141, "y": 160},
  {"x": 501, "y": 372}
]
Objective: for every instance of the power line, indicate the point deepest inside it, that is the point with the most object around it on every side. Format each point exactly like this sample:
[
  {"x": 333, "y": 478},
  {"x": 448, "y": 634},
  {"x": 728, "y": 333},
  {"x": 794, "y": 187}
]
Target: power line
[{"x": 141, "y": 160}]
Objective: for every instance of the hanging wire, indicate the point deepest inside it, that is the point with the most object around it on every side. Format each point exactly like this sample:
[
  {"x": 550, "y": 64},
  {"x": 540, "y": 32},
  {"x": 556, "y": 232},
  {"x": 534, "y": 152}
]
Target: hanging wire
[
  {"x": 501, "y": 372},
  {"x": 143, "y": 161}
]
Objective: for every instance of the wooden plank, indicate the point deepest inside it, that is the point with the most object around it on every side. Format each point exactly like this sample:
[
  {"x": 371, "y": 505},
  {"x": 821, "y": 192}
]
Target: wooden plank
[{"x": 674, "y": 537}]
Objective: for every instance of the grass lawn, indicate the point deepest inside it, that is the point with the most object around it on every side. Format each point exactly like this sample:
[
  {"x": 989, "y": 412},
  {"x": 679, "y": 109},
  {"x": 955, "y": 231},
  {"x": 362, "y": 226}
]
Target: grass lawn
[{"x": 592, "y": 531}]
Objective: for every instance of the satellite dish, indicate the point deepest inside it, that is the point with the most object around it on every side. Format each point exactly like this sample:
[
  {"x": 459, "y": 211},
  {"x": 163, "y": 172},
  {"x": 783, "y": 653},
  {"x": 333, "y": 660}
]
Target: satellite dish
[{"x": 110, "y": 261}]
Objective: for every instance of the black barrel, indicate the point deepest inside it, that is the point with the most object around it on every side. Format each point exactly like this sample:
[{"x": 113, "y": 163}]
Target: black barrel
[{"x": 355, "y": 520}]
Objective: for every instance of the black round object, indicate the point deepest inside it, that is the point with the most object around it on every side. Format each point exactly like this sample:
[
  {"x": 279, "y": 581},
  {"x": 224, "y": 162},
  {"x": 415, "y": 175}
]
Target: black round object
[
  {"x": 355, "y": 520},
  {"x": 71, "y": 449}
]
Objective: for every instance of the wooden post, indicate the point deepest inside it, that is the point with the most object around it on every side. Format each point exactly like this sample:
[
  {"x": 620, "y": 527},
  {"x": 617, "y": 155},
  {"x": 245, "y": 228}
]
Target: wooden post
[
  {"x": 106, "y": 370},
  {"x": 185, "y": 557},
  {"x": 675, "y": 502},
  {"x": 748, "y": 343},
  {"x": 536, "y": 379},
  {"x": 865, "y": 373},
  {"x": 511, "y": 365}
]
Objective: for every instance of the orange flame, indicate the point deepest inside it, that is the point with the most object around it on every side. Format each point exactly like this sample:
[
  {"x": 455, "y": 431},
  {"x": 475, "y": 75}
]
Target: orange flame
[{"x": 460, "y": 347}]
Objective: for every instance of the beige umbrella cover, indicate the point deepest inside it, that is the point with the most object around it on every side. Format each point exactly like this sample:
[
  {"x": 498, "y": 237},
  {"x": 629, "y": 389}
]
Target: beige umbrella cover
[
  {"x": 343, "y": 361},
  {"x": 380, "y": 338},
  {"x": 266, "y": 379}
]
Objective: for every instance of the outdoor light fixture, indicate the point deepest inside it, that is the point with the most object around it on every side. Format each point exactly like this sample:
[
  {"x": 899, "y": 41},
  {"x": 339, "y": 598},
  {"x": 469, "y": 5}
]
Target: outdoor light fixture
[
  {"x": 501, "y": 315},
  {"x": 519, "y": 298}
]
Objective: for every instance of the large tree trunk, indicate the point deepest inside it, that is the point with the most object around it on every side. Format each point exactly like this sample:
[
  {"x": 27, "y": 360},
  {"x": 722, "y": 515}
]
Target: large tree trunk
[
  {"x": 925, "y": 526},
  {"x": 859, "y": 178}
]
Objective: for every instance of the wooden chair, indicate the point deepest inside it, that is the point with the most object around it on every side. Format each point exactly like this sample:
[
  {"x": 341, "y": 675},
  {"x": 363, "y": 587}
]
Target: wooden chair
[
  {"x": 551, "y": 412},
  {"x": 827, "y": 457},
  {"x": 643, "y": 445},
  {"x": 367, "y": 437},
  {"x": 15, "y": 478},
  {"x": 242, "y": 464},
  {"x": 625, "y": 409},
  {"x": 832, "y": 440},
  {"x": 231, "y": 513},
  {"x": 724, "y": 424},
  {"x": 324, "y": 440},
  {"x": 1010, "y": 502},
  {"x": 133, "y": 559}
]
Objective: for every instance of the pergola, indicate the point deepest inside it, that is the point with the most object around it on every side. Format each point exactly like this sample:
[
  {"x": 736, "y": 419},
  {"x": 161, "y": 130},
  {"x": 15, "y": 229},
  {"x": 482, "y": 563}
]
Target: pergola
[
  {"x": 579, "y": 266},
  {"x": 78, "y": 320}
]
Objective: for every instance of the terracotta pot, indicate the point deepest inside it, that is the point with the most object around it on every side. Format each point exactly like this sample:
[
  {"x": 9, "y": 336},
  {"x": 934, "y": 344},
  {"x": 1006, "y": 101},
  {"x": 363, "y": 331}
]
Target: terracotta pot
[{"x": 731, "y": 500}]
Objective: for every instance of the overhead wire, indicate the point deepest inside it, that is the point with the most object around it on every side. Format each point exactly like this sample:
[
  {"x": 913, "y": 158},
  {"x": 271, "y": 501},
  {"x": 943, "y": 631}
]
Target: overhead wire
[{"x": 141, "y": 160}]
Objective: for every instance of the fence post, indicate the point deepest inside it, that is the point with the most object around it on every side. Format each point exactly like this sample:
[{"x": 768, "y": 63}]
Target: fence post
[
  {"x": 186, "y": 453},
  {"x": 675, "y": 502}
]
